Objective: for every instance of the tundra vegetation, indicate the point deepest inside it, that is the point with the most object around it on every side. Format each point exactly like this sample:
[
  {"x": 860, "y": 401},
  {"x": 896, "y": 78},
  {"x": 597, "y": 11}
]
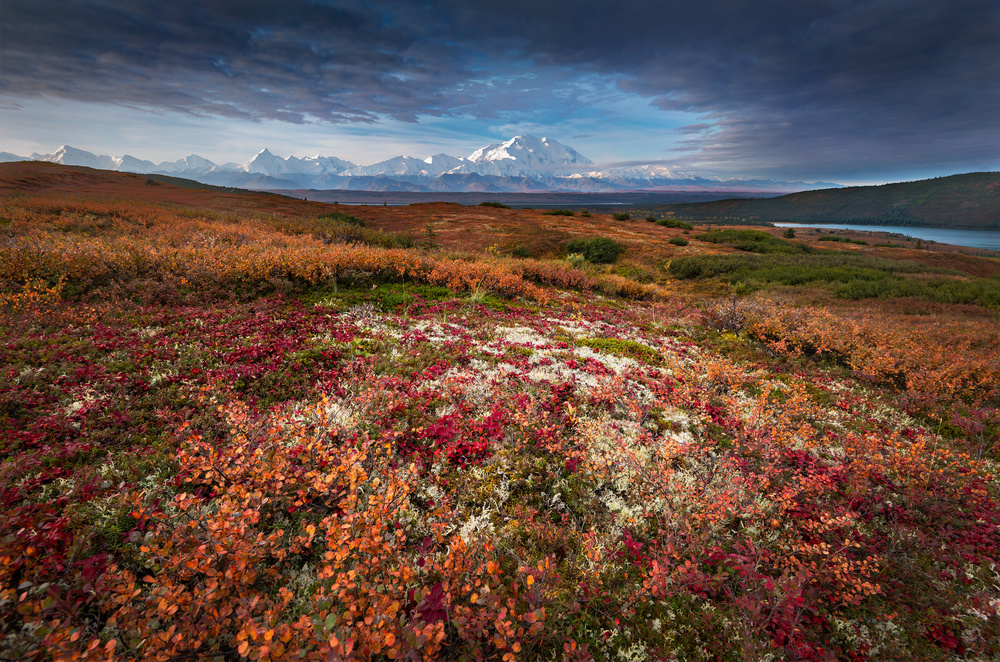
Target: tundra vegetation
[{"x": 279, "y": 433}]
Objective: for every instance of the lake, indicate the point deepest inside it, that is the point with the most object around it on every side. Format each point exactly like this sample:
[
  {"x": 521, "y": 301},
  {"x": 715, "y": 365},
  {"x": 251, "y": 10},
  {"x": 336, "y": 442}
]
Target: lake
[{"x": 983, "y": 239}]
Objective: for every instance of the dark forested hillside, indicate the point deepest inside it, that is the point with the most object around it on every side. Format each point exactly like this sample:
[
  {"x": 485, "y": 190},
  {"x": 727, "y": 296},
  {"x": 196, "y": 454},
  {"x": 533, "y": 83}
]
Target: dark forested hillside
[{"x": 962, "y": 201}]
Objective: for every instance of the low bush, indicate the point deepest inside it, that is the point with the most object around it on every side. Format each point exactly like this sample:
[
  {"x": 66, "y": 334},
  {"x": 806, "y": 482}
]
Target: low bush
[
  {"x": 621, "y": 216},
  {"x": 674, "y": 223},
  {"x": 491, "y": 203},
  {"x": 789, "y": 269},
  {"x": 733, "y": 314},
  {"x": 753, "y": 241},
  {"x": 851, "y": 276},
  {"x": 599, "y": 250},
  {"x": 678, "y": 241},
  {"x": 559, "y": 212},
  {"x": 521, "y": 251},
  {"x": 843, "y": 240},
  {"x": 341, "y": 217}
]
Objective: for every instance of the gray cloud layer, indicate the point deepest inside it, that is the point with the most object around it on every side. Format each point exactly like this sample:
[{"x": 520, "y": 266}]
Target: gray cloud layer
[{"x": 855, "y": 85}]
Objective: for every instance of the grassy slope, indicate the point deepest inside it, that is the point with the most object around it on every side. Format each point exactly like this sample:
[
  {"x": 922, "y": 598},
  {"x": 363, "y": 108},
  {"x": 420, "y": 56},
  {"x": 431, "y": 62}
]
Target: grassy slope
[
  {"x": 211, "y": 451},
  {"x": 962, "y": 201}
]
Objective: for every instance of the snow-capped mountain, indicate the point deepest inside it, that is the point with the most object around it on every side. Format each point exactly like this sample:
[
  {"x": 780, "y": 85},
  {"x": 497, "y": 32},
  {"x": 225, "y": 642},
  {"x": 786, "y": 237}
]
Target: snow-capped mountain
[
  {"x": 129, "y": 163},
  {"x": 407, "y": 166},
  {"x": 644, "y": 171},
  {"x": 523, "y": 163},
  {"x": 192, "y": 163},
  {"x": 327, "y": 164},
  {"x": 530, "y": 153},
  {"x": 67, "y": 155},
  {"x": 266, "y": 163}
]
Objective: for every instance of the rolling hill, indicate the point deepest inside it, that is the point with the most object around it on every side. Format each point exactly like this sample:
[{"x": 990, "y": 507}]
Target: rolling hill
[{"x": 960, "y": 201}]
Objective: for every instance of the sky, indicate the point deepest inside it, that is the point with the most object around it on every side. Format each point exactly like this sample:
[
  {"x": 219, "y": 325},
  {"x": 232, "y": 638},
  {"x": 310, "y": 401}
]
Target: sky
[{"x": 846, "y": 91}]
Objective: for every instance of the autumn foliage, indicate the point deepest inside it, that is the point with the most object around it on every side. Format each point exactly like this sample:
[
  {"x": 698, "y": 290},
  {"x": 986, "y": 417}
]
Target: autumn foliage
[
  {"x": 158, "y": 252},
  {"x": 225, "y": 437}
]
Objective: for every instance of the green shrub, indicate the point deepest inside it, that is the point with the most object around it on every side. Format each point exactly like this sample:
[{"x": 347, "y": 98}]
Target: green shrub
[
  {"x": 875, "y": 288},
  {"x": 678, "y": 241},
  {"x": 341, "y": 217},
  {"x": 521, "y": 251},
  {"x": 839, "y": 267},
  {"x": 585, "y": 214},
  {"x": 844, "y": 240},
  {"x": 753, "y": 241},
  {"x": 849, "y": 275},
  {"x": 599, "y": 250},
  {"x": 492, "y": 203},
  {"x": 558, "y": 212},
  {"x": 651, "y": 219},
  {"x": 621, "y": 216},
  {"x": 674, "y": 223},
  {"x": 788, "y": 234}
]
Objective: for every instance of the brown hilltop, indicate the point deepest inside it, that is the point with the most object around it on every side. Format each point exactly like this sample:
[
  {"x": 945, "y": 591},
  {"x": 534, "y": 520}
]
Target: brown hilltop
[{"x": 53, "y": 180}]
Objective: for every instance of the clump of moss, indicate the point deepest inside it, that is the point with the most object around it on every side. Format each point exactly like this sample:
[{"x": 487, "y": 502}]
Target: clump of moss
[{"x": 619, "y": 347}]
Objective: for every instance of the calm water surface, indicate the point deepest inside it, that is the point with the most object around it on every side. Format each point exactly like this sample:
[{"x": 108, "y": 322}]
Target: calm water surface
[{"x": 983, "y": 239}]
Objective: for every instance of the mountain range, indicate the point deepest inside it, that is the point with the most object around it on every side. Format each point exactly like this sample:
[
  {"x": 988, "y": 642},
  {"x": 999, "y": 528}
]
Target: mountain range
[{"x": 523, "y": 163}]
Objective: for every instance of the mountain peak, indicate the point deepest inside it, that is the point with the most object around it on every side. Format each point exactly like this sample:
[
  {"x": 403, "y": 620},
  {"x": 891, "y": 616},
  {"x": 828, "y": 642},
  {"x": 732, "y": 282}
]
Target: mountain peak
[
  {"x": 272, "y": 165},
  {"x": 265, "y": 163},
  {"x": 523, "y": 154},
  {"x": 530, "y": 152},
  {"x": 69, "y": 155}
]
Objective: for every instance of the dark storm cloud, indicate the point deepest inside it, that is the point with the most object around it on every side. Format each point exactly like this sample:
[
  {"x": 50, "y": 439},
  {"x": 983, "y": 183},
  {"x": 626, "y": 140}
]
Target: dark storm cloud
[
  {"x": 842, "y": 85},
  {"x": 849, "y": 84},
  {"x": 293, "y": 60}
]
